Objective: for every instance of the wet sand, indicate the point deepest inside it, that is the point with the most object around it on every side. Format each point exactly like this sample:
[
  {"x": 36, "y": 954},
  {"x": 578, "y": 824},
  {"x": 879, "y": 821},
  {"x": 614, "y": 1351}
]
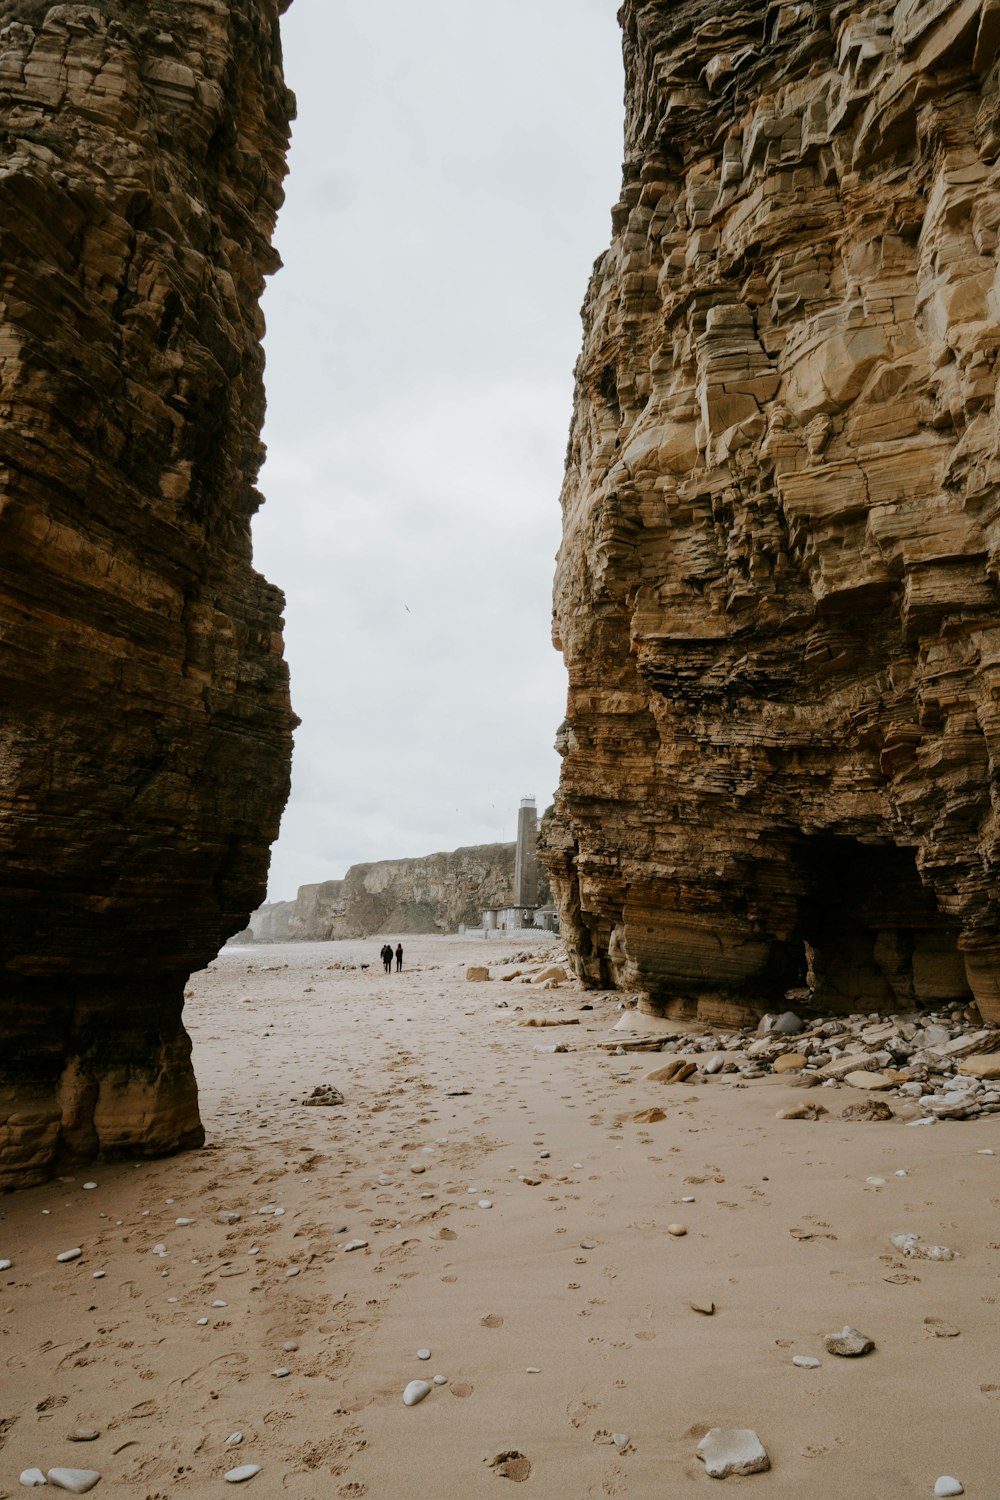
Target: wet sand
[{"x": 571, "y": 1271}]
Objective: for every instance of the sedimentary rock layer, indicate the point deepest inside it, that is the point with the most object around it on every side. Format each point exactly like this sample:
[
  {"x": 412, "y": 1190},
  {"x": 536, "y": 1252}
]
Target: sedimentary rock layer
[
  {"x": 435, "y": 893},
  {"x": 146, "y": 724},
  {"x": 777, "y": 589}
]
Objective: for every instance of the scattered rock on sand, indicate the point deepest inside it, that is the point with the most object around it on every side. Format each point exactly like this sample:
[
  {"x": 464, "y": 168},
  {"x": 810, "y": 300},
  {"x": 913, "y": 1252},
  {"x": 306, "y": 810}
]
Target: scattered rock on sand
[
  {"x": 946, "y": 1485},
  {"x": 416, "y": 1391},
  {"x": 867, "y": 1109},
  {"x": 677, "y": 1230},
  {"x": 801, "y": 1112},
  {"x": 5, "y": 1265},
  {"x": 912, "y": 1245},
  {"x": 805, "y": 1362},
  {"x": 477, "y": 973},
  {"x": 511, "y": 1465},
  {"x": 849, "y": 1342},
  {"x": 77, "y": 1481},
  {"x": 732, "y": 1450},
  {"x": 552, "y": 973},
  {"x": 32, "y": 1478},
  {"x": 703, "y": 1305},
  {"x": 245, "y": 1471},
  {"x": 324, "y": 1095},
  {"x": 70, "y": 1254},
  {"x": 789, "y": 1062},
  {"x": 83, "y": 1435}
]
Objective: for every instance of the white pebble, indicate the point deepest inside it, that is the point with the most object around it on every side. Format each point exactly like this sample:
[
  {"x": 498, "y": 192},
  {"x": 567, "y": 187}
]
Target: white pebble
[
  {"x": 32, "y": 1478},
  {"x": 688, "y": 1199},
  {"x": 946, "y": 1485},
  {"x": 875, "y": 1182},
  {"x": 160, "y": 1250},
  {"x": 245, "y": 1471},
  {"x": 202, "y": 1322},
  {"x": 70, "y": 1254},
  {"x": 440, "y": 1380},
  {"x": 280, "y": 1372},
  {"x": 416, "y": 1391},
  {"x": 423, "y": 1354},
  {"x": 620, "y": 1439},
  {"x": 293, "y": 1270},
  {"x": 578, "y": 1165},
  {"x": 233, "y": 1440},
  {"x": 356, "y": 1245},
  {"x": 805, "y": 1361},
  {"x": 486, "y": 1203},
  {"x": 533, "y": 1370},
  {"x": 88, "y": 1185},
  {"x": 278, "y": 1212},
  {"x": 985, "y": 1151},
  {"x": 219, "y": 1303},
  {"x": 97, "y": 1275},
  {"x": 171, "y": 1299},
  {"x": 77, "y": 1481},
  {"x": 5, "y": 1265},
  {"x": 183, "y": 1221},
  {"x": 902, "y": 1172}
]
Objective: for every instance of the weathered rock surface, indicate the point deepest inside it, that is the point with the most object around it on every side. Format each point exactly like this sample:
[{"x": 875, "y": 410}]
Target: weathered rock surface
[
  {"x": 434, "y": 893},
  {"x": 146, "y": 724},
  {"x": 777, "y": 588}
]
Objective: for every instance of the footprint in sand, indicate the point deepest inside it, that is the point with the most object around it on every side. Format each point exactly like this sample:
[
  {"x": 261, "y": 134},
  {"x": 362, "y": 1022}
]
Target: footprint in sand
[{"x": 461, "y": 1388}]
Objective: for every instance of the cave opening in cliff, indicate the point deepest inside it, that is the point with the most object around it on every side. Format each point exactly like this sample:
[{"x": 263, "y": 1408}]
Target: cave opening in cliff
[{"x": 872, "y": 934}]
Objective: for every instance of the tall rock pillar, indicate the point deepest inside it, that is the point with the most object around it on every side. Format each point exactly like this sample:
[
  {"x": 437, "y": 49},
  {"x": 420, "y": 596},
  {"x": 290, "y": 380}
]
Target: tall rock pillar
[
  {"x": 777, "y": 592},
  {"x": 146, "y": 730}
]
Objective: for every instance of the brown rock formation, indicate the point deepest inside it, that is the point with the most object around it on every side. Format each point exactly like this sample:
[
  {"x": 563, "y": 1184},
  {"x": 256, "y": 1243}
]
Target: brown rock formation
[
  {"x": 146, "y": 724},
  {"x": 777, "y": 590},
  {"x": 434, "y": 893}
]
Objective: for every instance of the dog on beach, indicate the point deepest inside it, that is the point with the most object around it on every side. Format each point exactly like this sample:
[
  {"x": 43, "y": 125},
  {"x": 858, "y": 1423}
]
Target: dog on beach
[{"x": 365, "y": 968}]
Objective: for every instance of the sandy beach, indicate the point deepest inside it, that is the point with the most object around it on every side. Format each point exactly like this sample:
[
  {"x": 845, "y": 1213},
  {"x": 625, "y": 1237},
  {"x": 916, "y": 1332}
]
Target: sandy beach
[{"x": 560, "y": 1317}]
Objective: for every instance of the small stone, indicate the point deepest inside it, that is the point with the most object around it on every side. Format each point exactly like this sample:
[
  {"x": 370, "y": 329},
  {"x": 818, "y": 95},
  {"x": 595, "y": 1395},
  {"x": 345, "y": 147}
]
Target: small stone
[
  {"x": 280, "y": 1372},
  {"x": 416, "y": 1391},
  {"x": 219, "y": 1303},
  {"x": 946, "y": 1485},
  {"x": 440, "y": 1379},
  {"x": 83, "y": 1434},
  {"x": 293, "y": 1271},
  {"x": 620, "y": 1439},
  {"x": 677, "y": 1230},
  {"x": 688, "y": 1198},
  {"x": 97, "y": 1275},
  {"x": 789, "y": 1062},
  {"x": 32, "y": 1478},
  {"x": 911, "y": 1245},
  {"x": 805, "y": 1361},
  {"x": 356, "y": 1245},
  {"x": 71, "y": 1255},
  {"x": 586, "y": 1245},
  {"x": 182, "y": 1222},
  {"x": 233, "y": 1440},
  {"x": 702, "y": 1305},
  {"x": 423, "y": 1354},
  {"x": 533, "y": 1370},
  {"x": 245, "y": 1471},
  {"x": 88, "y": 1186},
  {"x": 732, "y": 1450},
  {"x": 201, "y": 1322},
  {"x": 486, "y": 1203},
  {"x": 227, "y": 1216},
  {"x": 849, "y": 1342},
  {"x": 290, "y": 1346},
  {"x": 5, "y": 1265},
  {"x": 77, "y": 1481}
]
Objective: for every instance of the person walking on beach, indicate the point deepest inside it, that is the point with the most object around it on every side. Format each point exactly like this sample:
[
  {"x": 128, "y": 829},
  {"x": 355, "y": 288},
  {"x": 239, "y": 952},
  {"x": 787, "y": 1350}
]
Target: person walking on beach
[
  {"x": 387, "y": 957},
  {"x": 399, "y": 957}
]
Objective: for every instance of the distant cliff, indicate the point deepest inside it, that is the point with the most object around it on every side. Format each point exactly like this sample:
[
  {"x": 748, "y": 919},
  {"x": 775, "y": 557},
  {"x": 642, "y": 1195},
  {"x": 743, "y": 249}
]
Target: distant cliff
[{"x": 436, "y": 893}]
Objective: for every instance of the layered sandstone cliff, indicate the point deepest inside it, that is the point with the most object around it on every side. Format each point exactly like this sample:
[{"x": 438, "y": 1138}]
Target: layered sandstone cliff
[
  {"x": 146, "y": 724},
  {"x": 777, "y": 589},
  {"x": 434, "y": 893}
]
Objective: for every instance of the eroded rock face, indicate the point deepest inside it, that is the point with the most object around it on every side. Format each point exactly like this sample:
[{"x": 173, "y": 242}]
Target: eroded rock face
[
  {"x": 146, "y": 725},
  {"x": 433, "y": 893},
  {"x": 777, "y": 590}
]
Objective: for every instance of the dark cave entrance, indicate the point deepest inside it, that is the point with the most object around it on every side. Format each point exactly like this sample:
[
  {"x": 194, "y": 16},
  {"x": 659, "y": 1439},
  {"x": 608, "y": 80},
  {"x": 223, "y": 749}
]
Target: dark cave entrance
[{"x": 873, "y": 936}]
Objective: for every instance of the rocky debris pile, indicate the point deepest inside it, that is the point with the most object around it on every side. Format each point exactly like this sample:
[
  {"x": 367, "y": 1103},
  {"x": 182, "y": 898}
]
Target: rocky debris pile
[
  {"x": 324, "y": 1095},
  {"x": 942, "y": 1065}
]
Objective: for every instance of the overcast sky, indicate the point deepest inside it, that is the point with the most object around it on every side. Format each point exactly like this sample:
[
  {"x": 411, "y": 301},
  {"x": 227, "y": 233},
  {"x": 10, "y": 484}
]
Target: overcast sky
[{"x": 453, "y": 167}]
